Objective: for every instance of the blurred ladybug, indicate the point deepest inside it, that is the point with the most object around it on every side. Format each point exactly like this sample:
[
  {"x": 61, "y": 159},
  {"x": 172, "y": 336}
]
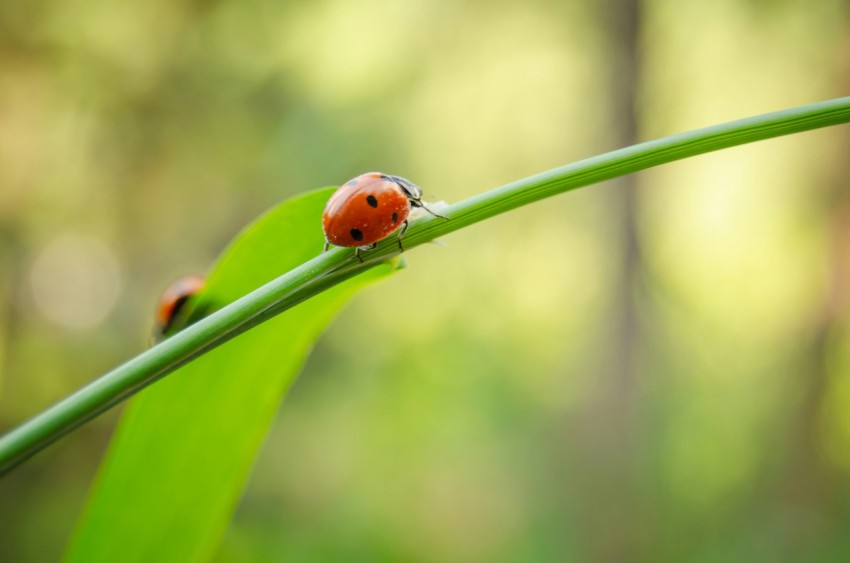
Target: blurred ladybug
[
  {"x": 173, "y": 300},
  {"x": 369, "y": 208}
]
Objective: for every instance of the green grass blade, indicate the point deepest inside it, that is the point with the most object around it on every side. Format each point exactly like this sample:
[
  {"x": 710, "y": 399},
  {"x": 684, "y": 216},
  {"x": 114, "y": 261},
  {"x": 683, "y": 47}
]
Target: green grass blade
[
  {"x": 321, "y": 272},
  {"x": 183, "y": 448}
]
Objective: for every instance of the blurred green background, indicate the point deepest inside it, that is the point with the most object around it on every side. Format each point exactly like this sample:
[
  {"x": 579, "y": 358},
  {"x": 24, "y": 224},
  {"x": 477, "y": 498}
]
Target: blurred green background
[{"x": 654, "y": 369}]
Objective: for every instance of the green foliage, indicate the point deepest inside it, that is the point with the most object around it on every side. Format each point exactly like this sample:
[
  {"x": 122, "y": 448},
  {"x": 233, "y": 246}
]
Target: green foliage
[
  {"x": 183, "y": 449},
  {"x": 319, "y": 273},
  {"x": 552, "y": 392}
]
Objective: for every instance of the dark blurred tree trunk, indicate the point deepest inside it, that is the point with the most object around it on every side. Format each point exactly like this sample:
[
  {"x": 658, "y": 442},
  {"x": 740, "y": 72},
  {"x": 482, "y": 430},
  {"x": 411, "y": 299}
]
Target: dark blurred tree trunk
[{"x": 610, "y": 508}]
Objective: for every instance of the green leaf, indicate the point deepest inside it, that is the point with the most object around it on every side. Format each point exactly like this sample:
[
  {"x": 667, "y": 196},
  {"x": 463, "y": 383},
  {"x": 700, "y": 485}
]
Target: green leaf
[{"x": 184, "y": 447}]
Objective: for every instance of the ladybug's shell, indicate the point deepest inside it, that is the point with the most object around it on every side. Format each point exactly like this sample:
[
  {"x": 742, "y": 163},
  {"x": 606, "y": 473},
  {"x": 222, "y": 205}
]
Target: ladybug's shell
[
  {"x": 365, "y": 210},
  {"x": 173, "y": 299}
]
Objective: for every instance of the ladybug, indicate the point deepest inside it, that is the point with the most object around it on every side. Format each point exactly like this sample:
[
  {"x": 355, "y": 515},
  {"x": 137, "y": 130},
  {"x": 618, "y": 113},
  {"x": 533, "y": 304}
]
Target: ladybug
[
  {"x": 173, "y": 300},
  {"x": 369, "y": 208}
]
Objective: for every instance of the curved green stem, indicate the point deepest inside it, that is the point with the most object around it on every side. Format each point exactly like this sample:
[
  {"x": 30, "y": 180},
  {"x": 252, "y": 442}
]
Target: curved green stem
[{"x": 339, "y": 264}]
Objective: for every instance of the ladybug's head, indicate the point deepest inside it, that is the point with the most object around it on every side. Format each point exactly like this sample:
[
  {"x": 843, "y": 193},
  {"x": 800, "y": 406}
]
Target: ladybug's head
[{"x": 412, "y": 190}]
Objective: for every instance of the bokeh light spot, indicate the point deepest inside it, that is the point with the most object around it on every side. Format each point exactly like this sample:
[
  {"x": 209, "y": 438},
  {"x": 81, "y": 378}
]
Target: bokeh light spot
[{"x": 75, "y": 281}]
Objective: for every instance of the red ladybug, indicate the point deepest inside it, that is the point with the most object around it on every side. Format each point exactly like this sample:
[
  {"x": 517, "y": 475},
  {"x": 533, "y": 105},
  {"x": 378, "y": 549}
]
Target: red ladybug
[
  {"x": 369, "y": 208},
  {"x": 174, "y": 299}
]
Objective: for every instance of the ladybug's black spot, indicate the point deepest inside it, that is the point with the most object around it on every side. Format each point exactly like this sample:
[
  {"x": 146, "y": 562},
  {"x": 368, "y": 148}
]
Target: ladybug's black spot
[
  {"x": 370, "y": 199},
  {"x": 395, "y": 217},
  {"x": 357, "y": 234},
  {"x": 352, "y": 182}
]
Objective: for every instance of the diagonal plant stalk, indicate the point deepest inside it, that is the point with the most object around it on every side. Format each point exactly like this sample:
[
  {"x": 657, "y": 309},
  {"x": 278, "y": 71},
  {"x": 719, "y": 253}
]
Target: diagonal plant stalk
[{"x": 339, "y": 264}]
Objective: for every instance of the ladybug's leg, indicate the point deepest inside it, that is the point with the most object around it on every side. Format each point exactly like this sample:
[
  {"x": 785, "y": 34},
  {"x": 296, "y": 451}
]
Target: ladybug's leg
[
  {"x": 401, "y": 234},
  {"x": 360, "y": 249},
  {"x": 327, "y": 245}
]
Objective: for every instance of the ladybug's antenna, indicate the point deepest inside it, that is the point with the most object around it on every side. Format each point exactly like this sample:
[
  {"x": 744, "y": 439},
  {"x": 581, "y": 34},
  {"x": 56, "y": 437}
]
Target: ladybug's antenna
[
  {"x": 414, "y": 193},
  {"x": 418, "y": 203}
]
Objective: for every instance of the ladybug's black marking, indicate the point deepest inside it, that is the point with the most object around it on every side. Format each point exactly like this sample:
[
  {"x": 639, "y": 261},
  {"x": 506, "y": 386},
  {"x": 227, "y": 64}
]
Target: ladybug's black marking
[
  {"x": 395, "y": 217},
  {"x": 357, "y": 234},
  {"x": 370, "y": 199},
  {"x": 352, "y": 182}
]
